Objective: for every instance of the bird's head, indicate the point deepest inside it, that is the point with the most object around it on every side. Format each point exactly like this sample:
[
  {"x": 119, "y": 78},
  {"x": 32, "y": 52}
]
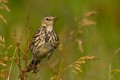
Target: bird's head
[{"x": 49, "y": 21}]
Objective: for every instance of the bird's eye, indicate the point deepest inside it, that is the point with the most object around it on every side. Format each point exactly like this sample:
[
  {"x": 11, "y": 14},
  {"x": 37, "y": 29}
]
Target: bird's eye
[{"x": 47, "y": 19}]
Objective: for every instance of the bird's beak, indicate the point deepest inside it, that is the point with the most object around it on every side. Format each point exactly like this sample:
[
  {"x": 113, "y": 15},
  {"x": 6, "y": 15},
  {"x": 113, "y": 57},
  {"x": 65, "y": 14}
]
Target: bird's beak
[{"x": 55, "y": 18}]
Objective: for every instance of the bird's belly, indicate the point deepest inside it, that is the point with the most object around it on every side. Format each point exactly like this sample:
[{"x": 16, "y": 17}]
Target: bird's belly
[{"x": 44, "y": 50}]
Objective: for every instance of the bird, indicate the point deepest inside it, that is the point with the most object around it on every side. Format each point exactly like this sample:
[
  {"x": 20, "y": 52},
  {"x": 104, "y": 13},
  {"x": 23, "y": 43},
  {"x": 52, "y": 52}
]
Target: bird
[{"x": 44, "y": 42}]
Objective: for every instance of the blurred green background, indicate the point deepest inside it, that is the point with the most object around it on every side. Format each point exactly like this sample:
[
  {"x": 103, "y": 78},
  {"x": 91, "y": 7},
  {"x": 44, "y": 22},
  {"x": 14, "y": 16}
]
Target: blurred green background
[{"x": 101, "y": 40}]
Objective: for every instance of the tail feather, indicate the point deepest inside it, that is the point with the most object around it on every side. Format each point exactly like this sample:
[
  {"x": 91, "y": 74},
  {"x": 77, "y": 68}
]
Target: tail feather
[{"x": 33, "y": 66}]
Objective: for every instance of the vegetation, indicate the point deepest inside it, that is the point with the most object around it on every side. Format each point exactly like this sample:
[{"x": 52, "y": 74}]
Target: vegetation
[{"x": 89, "y": 39}]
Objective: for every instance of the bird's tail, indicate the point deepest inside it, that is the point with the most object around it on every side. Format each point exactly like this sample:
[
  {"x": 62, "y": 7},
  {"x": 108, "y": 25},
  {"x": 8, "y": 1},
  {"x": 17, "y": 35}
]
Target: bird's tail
[{"x": 33, "y": 66}]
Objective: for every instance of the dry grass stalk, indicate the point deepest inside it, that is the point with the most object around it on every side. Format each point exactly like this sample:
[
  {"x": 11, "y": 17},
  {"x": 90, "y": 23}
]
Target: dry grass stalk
[
  {"x": 20, "y": 51},
  {"x": 77, "y": 33},
  {"x": 114, "y": 71},
  {"x": 56, "y": 77},
  {"x": 4, "y": 1},
  {"x": 80, "y": 45},
  {"x": 75, "y": 67},
  {"x": 87, "y": 22},
  {"x": 4, "y": 7},
  {"x": 3, "y": 19},
  {"x": 2, "y": 41},
  {"x": 90, "y": 13},
  {"x": 77, "y": 64},
  {"x": 4, "y": 74},
  {"x": 3, "y": 60}
]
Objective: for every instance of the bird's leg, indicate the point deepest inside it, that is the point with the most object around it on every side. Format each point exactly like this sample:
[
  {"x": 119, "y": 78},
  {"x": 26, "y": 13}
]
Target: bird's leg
[{"x": 48, "y": 57}]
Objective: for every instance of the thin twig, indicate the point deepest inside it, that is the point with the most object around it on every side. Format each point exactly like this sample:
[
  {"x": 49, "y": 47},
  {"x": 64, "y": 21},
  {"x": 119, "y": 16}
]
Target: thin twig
[
  {"x": 39, "y": 76},
  {"x": 61, "y": 64},
  {"x": 118, "y": 50},
  {"x": 66, "y": 68},
  {"x": 28, "y": 24},
  {"x": 11, "y": 64},
  {"x": 53, "y": 69},
  {"x": 110, "y": 72}
]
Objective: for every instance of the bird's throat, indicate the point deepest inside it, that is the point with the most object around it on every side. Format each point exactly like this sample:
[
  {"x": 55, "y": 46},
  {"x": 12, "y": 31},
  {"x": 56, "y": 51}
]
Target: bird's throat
[{"x": 49, "y": 28}]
